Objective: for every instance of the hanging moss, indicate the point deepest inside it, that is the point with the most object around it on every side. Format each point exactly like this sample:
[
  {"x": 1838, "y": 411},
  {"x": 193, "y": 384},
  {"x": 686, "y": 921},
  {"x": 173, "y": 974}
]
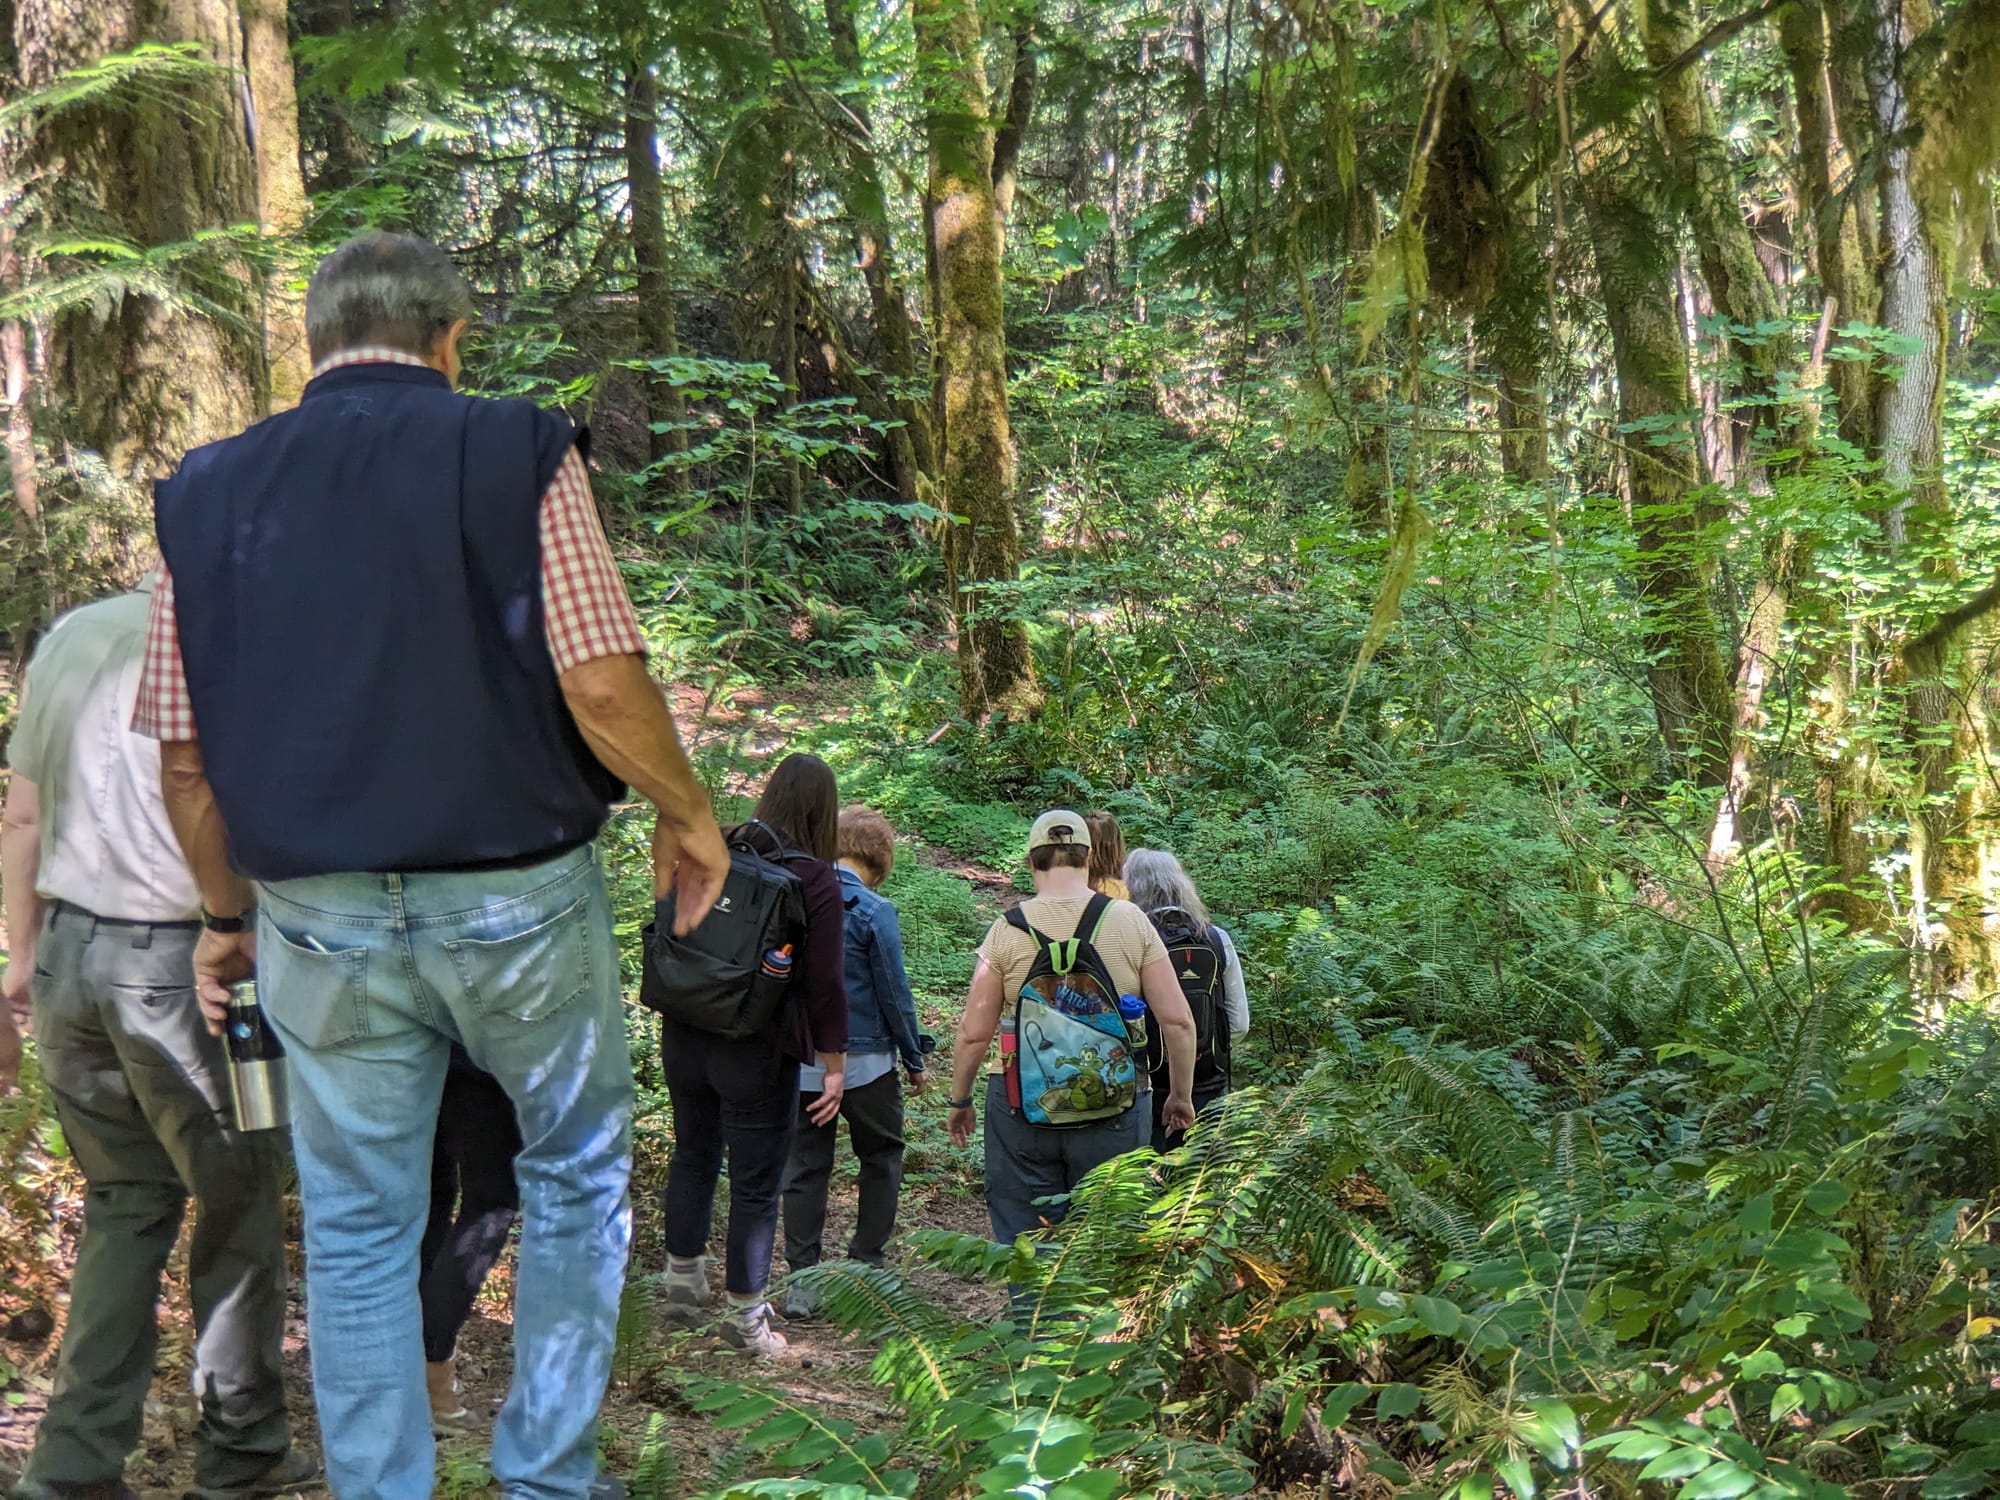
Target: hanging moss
[{"x": 1464, "y": 219}]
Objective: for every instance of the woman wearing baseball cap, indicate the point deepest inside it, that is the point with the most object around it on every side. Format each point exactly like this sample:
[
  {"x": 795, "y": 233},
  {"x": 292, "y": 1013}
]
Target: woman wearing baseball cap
[{"x": 1027, "y": 1158}]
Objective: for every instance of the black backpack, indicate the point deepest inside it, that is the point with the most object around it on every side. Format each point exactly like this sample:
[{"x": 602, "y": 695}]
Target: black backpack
[
  {"x": 732, "y": 975},
  {"x": 1196, "y": 953}
]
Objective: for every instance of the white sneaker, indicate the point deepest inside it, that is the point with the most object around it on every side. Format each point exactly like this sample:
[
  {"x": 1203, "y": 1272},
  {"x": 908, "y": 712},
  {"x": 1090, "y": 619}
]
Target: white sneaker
[{"x": 749, "y": 1329}]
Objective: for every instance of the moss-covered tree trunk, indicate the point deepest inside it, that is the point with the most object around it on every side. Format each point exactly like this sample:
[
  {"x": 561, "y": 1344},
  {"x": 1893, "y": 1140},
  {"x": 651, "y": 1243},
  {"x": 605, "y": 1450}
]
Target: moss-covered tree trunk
[
  {"x": 982, "y": 541},
  {"x": 281, "y": 195},
  {"x": 1758, "y": 335},
  {"x": 1512, "y": 328},
  {"x": 911, "y": 452},
  {"x": 148, "y": 378},
  {"x": 666, "y": 409},
  {"x": 1760, "y": 343},
  {"x": 1824, "y": 46},
  {"x": 1368, "y": 485},
  {"x": 1623, "y": 184},
  {"x": 1837, "y": 255},
  {"x": 1012, "y": 129},
  {"x": 1913, "y": 119}
]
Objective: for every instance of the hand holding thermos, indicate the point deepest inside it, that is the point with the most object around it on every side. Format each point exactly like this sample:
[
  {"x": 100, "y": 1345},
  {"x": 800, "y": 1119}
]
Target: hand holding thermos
[{"x": 256, "y": 1062}]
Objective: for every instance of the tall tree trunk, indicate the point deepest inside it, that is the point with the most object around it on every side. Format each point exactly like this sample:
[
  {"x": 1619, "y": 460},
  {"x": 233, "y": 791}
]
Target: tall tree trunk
[
  {"x": 911, "y": 452},
  {"x": 149, "y": 378},
  {"x": 1758, "y": 337},
  {"x": 982, "y": 543},
  {"x": 1837, "y": 256},
  {"x": 1841, "y": 230},
  {"x": 781, "y": 143},
  {"x": 1619, "y": 181},
  {"x": 1013, "y": 127},
  {"x": 666, "y": 408},
  {"x": 1511, "y": 327},
  {"x": 1760, "y": 347},
  {"x": 1916, "y": 245},
  {"x": 281, "y": 194},
  {"x": 24, "y": 482},
  {"x": 1368, "y": 486},
  {"x": 1918, "y": 223},
  {"x": 787, "y": 361}
]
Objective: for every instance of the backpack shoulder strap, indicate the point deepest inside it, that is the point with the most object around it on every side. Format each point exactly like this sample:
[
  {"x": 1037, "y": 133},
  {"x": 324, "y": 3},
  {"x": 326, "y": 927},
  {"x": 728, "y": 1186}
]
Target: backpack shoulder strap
[
  {"x": 1093, "y": 917},
  {"x": 1019, "y": 921}
]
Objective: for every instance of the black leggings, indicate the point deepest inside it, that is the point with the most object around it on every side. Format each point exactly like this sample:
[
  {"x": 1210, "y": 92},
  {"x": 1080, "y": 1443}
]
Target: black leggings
[
  {"x": 738, "y": 1098},
  {"x": 472, "y": 1169}
]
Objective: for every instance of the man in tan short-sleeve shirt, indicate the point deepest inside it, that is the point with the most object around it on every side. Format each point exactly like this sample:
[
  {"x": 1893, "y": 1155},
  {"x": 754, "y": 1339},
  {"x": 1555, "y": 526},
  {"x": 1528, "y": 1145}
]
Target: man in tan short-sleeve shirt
[{"x": 1027, "y": 1164}]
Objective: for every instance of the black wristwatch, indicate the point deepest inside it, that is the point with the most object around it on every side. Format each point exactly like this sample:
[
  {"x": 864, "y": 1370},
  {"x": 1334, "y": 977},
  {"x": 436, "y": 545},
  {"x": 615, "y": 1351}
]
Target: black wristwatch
[
  {"x": 965, "y": 1103},
  {"x": 238, "y": 923}
]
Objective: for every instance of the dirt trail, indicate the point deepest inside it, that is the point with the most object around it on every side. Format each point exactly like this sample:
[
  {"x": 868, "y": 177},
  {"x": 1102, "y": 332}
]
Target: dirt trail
[{"x": 823, "y": 1368}]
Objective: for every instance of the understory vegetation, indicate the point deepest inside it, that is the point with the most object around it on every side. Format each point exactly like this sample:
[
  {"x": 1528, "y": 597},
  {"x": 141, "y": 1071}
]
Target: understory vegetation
[
  {"x": 1562, "y": 1164},
  {"x": 1506, "y": 491}
]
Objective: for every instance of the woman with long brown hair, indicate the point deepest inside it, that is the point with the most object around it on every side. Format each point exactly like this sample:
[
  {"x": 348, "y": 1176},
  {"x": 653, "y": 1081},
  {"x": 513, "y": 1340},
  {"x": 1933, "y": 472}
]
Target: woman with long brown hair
[
  {"x": 1107, "y": 853},
  {"x": 741, "y": 1095}
]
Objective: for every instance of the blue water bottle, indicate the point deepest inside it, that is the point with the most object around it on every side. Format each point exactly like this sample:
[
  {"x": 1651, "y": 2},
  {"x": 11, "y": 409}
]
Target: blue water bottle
[{"x": 1133, "y": 1010}]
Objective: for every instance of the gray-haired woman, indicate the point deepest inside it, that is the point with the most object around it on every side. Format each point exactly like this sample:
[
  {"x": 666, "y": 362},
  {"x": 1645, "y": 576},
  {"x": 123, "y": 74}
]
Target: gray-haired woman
[{"x": 1211, "y": 975}]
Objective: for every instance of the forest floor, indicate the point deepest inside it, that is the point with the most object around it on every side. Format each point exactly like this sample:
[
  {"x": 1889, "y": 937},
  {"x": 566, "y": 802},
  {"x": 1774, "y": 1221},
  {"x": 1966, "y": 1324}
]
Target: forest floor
[{"x": 822, "y": 1369}]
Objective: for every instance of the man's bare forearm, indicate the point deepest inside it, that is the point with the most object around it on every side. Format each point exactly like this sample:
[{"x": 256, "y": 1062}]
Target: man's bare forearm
[
  {"x": 623, "y": 716},
  {"x": 20, "y": 867},
  {"x": 198, "y": 825}
]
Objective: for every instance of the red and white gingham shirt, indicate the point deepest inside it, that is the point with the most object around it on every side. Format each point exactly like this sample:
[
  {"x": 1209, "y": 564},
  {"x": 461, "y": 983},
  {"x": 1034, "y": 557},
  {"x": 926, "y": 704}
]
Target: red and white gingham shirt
[{"x": 585, "y": 611}]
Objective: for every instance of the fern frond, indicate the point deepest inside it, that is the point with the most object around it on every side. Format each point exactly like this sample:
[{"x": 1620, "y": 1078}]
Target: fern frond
[
  {"x": 920, "y": 1343},
  {"x": 655, "y": 1474},
  {"x": 153, "y": 72},
  {"x": 99, "y": 274}
]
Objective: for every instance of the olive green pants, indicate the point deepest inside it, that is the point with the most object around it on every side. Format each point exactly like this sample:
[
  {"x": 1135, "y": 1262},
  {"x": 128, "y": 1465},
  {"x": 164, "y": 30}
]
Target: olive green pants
[{"x": 141, "y": 1092}]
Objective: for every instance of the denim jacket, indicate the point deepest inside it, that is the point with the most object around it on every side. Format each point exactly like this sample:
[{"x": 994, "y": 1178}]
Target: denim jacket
[{"x": 881, "y": 1011}]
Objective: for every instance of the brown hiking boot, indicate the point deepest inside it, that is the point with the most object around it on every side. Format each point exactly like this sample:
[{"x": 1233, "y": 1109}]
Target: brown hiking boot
[{"x": 448, "y": 1411}]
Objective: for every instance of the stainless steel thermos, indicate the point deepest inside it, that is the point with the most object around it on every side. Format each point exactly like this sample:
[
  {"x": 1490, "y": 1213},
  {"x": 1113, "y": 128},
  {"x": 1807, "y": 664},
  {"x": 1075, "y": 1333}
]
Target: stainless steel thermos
[{"x": 256, "y": 1063}]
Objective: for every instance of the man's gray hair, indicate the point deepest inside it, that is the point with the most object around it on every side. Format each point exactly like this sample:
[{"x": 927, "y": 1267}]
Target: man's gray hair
[
  {"x": 1156, "y": 881},
  {"x": 389, "y": 289}
]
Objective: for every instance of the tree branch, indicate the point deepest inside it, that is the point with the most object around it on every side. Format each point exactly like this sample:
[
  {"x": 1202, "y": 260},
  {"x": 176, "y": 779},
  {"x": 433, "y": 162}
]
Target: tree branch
[
  {"x": 1013, "y": 127},
  {"x": 1715, "y": 36},
  {"x": 1923, "y": 654}
]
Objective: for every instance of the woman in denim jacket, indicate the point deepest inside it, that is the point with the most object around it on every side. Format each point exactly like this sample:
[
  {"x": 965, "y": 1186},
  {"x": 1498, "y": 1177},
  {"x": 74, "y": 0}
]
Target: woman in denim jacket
[{"x": 881, "y": 1028}]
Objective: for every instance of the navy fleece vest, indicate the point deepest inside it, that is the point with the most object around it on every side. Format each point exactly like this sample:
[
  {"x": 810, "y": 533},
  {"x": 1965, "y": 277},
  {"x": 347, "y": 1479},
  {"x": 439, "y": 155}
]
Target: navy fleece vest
[{"x": 358, "y": 585}]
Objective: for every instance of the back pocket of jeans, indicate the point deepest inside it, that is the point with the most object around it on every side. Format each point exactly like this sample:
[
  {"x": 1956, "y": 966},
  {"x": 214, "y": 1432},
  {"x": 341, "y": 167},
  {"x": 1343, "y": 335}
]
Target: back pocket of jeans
[
  {"x": 321, "y": 998},
  {"x": 531, "y": 975}
]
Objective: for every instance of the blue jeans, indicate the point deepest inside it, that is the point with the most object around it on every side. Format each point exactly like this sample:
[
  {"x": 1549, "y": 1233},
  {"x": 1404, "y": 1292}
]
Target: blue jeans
[{"x": 368, "y": 979}]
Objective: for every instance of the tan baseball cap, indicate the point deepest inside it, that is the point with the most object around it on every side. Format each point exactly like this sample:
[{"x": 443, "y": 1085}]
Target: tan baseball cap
[{"x": 1059, "y": 826}]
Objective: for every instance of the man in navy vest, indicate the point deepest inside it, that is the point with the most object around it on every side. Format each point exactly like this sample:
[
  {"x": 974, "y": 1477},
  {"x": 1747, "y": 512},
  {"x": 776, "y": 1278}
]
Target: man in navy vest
[{"x": 398, "y": 685}]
